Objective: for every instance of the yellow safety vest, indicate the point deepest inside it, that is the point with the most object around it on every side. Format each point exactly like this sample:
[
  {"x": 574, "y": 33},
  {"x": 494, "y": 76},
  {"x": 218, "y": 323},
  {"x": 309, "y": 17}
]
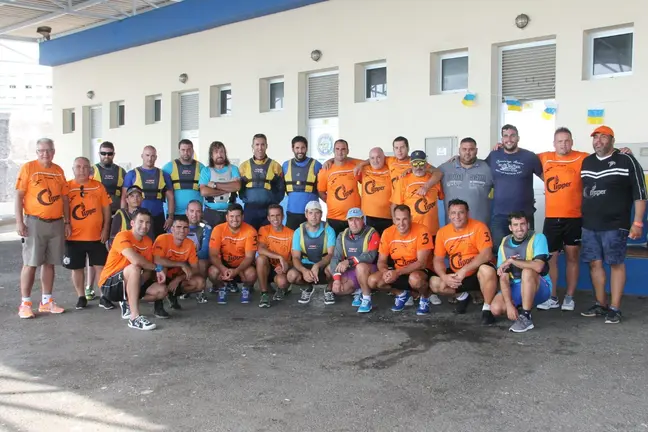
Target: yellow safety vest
[
  {"x": 120, "y": 180},
  {"x": 300, "y": 185},
  {"x": 154, "y": 192},
  {"x": 185, "y": 183}
]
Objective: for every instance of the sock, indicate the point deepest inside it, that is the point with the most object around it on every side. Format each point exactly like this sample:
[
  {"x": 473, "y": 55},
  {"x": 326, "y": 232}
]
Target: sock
[
  {"x": 46, "y": 298},
  {"x": 463, "y": 296},
  {"x": 366, "y": 297},
  {"x": 26, "y": 300},
  {"x": 568, "y": 298},
  {"x": 555, "y": 298},
  {"x": 526, "y": 313},
  {"x": 486, "y": 307},
  {"x": 612, "y": 308},
  {"x": 357, "y": 292}
]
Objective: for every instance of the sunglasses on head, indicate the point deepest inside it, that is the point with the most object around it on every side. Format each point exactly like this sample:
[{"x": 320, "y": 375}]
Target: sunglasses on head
[
  {"x": 106, "y": 153},
  {"x": 417, "y": 164}
]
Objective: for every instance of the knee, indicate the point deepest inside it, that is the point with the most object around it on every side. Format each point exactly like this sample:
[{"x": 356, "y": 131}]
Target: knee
[
  {"x": 250, "y": 274},
  {"x": 435, "y": 284},
  {"x": 362, "y": 269},
  {"x": 373, "y": 281},
  {"x": 528, "y": 274},
  {"x": 292, "y": 276},
  {"x": 415, "y": 280},
  {"x": 486, "y": 273},
  {"x": 132, "y": 269},
  {"x": 158, "y": 291},
  {"x": 200, "y": 283},
  {"x": 282, "y": 281},
  {"x": 262, "y": 261},
  {"x": 213, "y": 272},
  {"x": 497, "y": 308}
]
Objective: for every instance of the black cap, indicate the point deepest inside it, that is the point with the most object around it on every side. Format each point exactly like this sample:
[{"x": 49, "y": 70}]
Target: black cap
[
  {"x": 418, "y": 155},
  {"x": 134, "y": 189}
]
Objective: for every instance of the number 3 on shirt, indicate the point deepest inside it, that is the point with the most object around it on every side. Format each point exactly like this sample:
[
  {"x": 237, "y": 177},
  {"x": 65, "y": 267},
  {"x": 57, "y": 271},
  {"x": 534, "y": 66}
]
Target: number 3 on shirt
[{"x": 426, "y": 239}]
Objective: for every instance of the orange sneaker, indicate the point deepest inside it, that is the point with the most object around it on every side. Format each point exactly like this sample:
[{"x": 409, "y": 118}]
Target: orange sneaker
[
  {"x": 50, "y": 307},
  {"x": 25, "y": 310}
]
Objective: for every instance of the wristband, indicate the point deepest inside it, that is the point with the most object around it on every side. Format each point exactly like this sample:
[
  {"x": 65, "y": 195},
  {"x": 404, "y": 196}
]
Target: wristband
[
  {"x": 638, "y": 224},
  {"x": 158, "y": 268},
  {"x": 337, "y": 276}
]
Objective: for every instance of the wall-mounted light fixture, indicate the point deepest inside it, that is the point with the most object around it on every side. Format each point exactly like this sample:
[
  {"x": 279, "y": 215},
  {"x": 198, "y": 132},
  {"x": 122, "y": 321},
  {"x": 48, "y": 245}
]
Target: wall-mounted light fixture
[
  {"x": 90, "y": 94},
  {"x": 316, "y": 55},
  {"x": 183, "y": 78},
  {"x": 522, "y": 21},
  {"x": 44, "y": 31}
]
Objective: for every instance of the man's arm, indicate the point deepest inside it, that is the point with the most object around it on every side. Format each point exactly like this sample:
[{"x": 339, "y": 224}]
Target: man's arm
[
  {"x": 170, "y": 202},
  {"x": 18, "y": 208},
  {"x": 323, "y": 196},
  {"x": 485, "y": 255},
  {"x": 165, "y": 262},
  {"x": 296, "y": 260},
  {"x": 123, "y": 203},
  {"x": 419, "y": 264},
  {"x": 327, "y": 259},
  {"x": 247, "y": 262},
  {"x": 638, "y": 190},
  {"x": 439, "y": 266},
  {"x": 66, "y": 208},
  {"x": 370, "y": 255},
  {"x": 535, "y": 264},
  {"x": 264, "y": 251},
  {"x": 382, "y": 262},
  {"x": 106, "y": 222},
  {"x": 138, "y": 259},
  {"x": 436, "y": 177}
]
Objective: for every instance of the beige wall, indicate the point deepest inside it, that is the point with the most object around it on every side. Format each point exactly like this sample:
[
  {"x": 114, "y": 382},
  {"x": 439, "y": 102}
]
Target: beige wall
[{"x": 404, "y": 32}]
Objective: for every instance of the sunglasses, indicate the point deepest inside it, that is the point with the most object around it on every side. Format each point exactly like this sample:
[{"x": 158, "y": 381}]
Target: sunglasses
[
  {"x": 82, "y": 192},
  {"x": 417, "y": 164},
  {"x": 106, "y": 153}
]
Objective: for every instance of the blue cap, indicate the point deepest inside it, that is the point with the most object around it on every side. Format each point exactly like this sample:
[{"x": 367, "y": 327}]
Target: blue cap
[
  {"x": 418, "y": 155},
  {"x": 355, "y": 212}
]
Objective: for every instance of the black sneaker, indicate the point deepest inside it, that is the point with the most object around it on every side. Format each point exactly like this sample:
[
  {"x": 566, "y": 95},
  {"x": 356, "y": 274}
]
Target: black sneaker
[
  {"x": 105, "y": 303},
  {"x": 487, "y": 318},
  {"x": 158, "y": 310},
  {"x": 125, "y": 309},
  {"x": 596, "y": 310},
  {"x": 462, "y": 305},
  {"x": 613, "y": 317},
  {"x": 173, "y": 302},
  {"x": 82, "y": 302}
]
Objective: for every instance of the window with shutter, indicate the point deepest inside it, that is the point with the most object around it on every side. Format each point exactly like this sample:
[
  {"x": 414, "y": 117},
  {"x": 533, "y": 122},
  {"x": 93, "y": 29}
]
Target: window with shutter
[
  {"x": 95, "y": 123},
  {"x": 529, "y": 73},
  {"x": 323, "y": 96},
  {"x": 189, "y": 112}
]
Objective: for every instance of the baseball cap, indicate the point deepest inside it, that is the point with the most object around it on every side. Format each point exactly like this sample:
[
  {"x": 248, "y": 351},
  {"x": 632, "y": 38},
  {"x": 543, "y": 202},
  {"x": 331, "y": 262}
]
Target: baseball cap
[
  {"x": 418, "y": 155},
  {"x": 313, "y": 205},
  {"x": 354, "y": 212},
  {"x": 603, "y": 130},
  {"x": 134, "y": 189}
]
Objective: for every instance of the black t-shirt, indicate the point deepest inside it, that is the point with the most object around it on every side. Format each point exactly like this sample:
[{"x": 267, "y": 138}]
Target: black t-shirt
[{"x": 610, "y": 187}]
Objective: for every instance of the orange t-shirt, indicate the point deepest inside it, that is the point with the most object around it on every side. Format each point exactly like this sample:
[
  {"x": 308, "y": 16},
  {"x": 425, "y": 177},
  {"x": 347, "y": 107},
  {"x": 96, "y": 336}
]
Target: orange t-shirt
[
  {"x": 376, "y": 192},
  {"x": 231, "y": 246},
  {"x": 396, "y": 167},
  {"x": 44, "y": 189},
  {"x": 403, "y": 248},
  {"x": 277, "y": 242},
  {"x": 86, "y": 213},
  {"x": 563, "y": 184},
  {"x": 424, "y": 208},
  {"x": 116, "y": 261},
  {"x": 165, "y": 247},
  {"x": 464, "y": 245},
  {"x": 341, "y": 187}
]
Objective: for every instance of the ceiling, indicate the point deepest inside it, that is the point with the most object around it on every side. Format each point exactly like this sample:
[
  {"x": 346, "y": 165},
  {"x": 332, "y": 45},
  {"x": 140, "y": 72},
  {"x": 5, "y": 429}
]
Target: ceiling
[{"x": 19, "y": 19}]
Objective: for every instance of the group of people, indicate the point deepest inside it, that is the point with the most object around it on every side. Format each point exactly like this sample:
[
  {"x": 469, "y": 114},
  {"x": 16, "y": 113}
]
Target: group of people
[{"x": 153, "y": 234}]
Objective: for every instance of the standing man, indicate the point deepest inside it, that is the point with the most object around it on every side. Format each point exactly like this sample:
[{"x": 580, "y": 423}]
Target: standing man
[
  {"x": 90, "y": 224},
  {"x": 156, "y": 185},
  {"x": 300, "y": 174},
  {"x": 43, "y": 221},
  {"x": 121, "y": 220},
  {"x": 612, "y": 183},
  {"x": 262, "y": 183},
  {"x": 376, "y": 191},
  {"x": 185, "y": 174},
  {"x": 338, "y": 187},
  {"x": 199, "y": 233},
  {"x": 218, "y": 184},
  {"x": 109, "y": 174}
]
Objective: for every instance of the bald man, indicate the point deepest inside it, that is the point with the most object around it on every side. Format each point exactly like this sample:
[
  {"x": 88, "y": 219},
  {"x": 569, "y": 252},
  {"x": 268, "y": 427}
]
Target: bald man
[
  {"x": 156, "y": 185},
  {"x": 376, "y": 191}
]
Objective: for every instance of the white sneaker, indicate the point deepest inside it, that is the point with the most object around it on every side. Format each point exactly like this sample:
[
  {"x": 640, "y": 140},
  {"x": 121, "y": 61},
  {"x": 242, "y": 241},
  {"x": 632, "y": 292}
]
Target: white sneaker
[
  {"x": 549, "y": 304},
  {"x": 568, "y": 305},
  {"x": 435, "y": 300},
  {"x": 410, "y": 301}
]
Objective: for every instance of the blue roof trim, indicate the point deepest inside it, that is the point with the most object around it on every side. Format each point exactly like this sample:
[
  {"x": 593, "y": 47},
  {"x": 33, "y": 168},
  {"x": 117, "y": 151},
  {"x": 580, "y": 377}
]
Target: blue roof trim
[{"x": 186, "y": 17}]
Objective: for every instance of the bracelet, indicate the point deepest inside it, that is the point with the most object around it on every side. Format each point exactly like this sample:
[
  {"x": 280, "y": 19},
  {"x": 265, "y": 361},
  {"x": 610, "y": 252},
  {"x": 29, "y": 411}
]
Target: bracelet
[
  {"x": 158, "y": 268},
  {"x": 638, "y": 224},
  {"x": 337, "y": 276}
]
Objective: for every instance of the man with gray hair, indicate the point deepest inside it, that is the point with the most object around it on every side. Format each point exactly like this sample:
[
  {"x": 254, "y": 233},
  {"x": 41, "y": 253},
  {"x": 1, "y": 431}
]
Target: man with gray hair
[
  {"x": 43, "y": 221},
  {"x": 375, "y": 180}
]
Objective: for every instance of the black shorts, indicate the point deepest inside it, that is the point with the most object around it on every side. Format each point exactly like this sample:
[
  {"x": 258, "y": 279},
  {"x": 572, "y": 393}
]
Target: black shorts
[
  {"x": 562, "y": 232},
  {"x": 237, "y": 278},
  {"x": 402, "y": 283},
  {"x": 338, "y": 225},
  {"x": 470, "y": 283},
  {"x": 293, "y": 220},
  {"x": 321, "y": 275},
  {"x": 113, "y": 288},
  {"x": 77, "y": 251},
  {"x": 379, "y": 224}
]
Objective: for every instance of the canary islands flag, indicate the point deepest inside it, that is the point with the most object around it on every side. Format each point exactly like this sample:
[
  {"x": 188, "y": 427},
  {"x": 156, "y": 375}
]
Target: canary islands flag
[
  {"x": 513, "y": 104},
  {"x": 469, "y": 99},
  {"x": 595, "y": 116}
]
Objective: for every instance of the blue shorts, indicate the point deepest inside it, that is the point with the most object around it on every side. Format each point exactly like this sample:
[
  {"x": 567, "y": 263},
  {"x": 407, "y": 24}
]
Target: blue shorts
[
  {"x": 543, "y": 294},
  {"x": 607, "y": 246}
]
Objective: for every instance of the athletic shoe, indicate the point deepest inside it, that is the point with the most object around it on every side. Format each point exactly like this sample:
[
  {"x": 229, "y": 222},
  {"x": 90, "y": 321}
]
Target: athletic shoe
[
  {"x": 201, "y": 297},
  {"x": 174, "y": 303},
  {"x": 25, "y": 310},
  {"x": 410, "y": 301},
  {"x": 141, "y": 323},
  {"x": 278, "y": 295},
  {"x": 50, "y": 307},
  {"x": 522, "y": 324},
  {"x": 213, "y": 290},
  {"x": 365, "y": 306},
  {"x": 105, "y": 303},
  {"x": 265, "y": 301},
  {"x": 245, "y": 295},
  {"x": 306, "y": 295},
  {"x": 435, "y": 300},
  {"x": 232, "y": 287},
  {"x": 158, "y": 310},
  {"x": 595, "y": 311},
  {"x": 613, "y": 317},
  {"x": 400, "y": 301},
  {"x": 82, "y": 303},
  {"x": 357, "y": 300},
  {"x": 185, "y": 296},
  {"x": 329, "y": 297},
  {"x": 222, "y": 296},
  {"x": 89, "y": 293},
  {"x": 568, "y": 304},
  {"x": 552, "y": 303},
  {"x": 424, "y": 307},
  {"x": 487, "y": 318},
  {"x": 125, "y": 310},
  {"x": 462, "y": 306}
]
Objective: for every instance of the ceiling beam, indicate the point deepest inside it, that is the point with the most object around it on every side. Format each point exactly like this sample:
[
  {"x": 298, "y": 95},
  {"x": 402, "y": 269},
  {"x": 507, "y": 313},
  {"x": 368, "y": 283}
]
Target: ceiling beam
[{"x": 18, "y": 38}]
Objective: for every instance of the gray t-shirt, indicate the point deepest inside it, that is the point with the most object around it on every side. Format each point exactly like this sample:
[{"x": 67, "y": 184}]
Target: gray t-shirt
[{"x": 469, "y": 184}]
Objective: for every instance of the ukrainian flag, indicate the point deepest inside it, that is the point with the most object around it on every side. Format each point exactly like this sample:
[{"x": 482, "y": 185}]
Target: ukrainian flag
[
  {"x": 513, "y": 104},
  {"x": 549, "y": 111},
  {"x": 469, "y": 99},
  {"x": 595, "y": 116}
]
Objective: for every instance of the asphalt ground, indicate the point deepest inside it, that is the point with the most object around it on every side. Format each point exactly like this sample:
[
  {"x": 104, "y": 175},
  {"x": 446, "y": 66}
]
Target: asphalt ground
[{"x": 314, "y": 368}]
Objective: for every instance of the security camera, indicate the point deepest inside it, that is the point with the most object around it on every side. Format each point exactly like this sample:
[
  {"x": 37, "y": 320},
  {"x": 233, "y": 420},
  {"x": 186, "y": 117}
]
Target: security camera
[{"x": 45, "y": 31}]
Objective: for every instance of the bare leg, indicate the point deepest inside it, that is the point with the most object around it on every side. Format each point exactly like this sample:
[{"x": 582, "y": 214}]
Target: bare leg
[
  {"x": 597, "y": 273},
  {"x": 132, "y": 287},
  {"x": 553, "y": 273},
  {"x": 47, "y": 278},
  {"x": 27, "y": 276},
  {"x": 78, "y": 279},
  {"x": 530, "y": 283},
  {"x": 617, "y": 282},
  {"x": 573, "y": 255},
  {"x": 263, "y": 271},
  {"x": 487, "y": 277}
]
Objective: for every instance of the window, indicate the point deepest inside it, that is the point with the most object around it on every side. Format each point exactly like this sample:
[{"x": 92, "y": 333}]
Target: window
[
  {"x": 72, "y": 121},
  {"x": 69, "y": 120},
  {"x": 157, "y": 109},
  {"x": 117, "y": 114},
  {"x": 121, "y": 114},
  {"x": 225, "y": 101},
  {"x": 454, "y": 72},
  {"x": 276, "y": 95},
  {"x": 611, "y": 53},
  {"x": 153, "y": 109},
  {"x": 376, "y": 81}
]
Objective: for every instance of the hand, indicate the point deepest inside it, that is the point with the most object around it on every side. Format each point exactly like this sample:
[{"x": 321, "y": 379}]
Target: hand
[
  {"x": 423, "y": 190},
  {"x": 160, "y": 277},
  {"x": 511, "y": 312},
  {"x": 168, "y": 222},
  {"x": 283, "y": 265},
  {"x": 315, "y": 273},
  {"x": 187, "y": 271},
  {"x": 625, "y": 150},
  {"x": 342, "y": 266},
  {"x": 390, "y": 276},
  {"x": 227, "y": 275},
  {"x": 407, "y": 171},
  {"x": 307, "y": 275},
  {"x": 635, "y": 232},
  {"x": 451, "y": 281},
  {"x": 357, "y": 170},
  {"x": 460, "y": 275},
  {"x": 453, "y": 158},
  {"x": 497, "y": 146},
  {"x": 326, "y": 165},
  {"x": 501, "y": 270},
  {"x": 337, "y": 285},
  {"x": 68, "y": 230},
  {"x": 21, "y": 228},
  {"x": 212, "y": 185},
  {"x": 105, "y": 236}
]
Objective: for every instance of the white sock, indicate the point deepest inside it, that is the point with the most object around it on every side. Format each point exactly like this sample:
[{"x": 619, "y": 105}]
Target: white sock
[
  {"x": 357, "y": 292},
  {"x": 366, "y": 297},
  {"x": 486, "y": 307},
  {"x": 26, "y": 300},
  {"x": 463, "y": 296},
  {"x": 46, "y": 298}
]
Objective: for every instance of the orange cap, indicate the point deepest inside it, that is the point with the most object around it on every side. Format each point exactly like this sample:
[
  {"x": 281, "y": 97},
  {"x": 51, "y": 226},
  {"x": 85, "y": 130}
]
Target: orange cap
[{"x": 603, "y": 130}]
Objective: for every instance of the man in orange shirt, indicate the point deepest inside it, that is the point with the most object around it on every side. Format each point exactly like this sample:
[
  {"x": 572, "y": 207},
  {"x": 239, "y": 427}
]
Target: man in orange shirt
[
  {"x": 43, "y": 221},
  {"x": 273, "y": 261},
  {"x": 128, "y": 275},
  {"x": 90, "y": 222},
  {"x": 410, "y": 246},
  {"x": 468, "y": 245},
  {"x": 232, "y": 247},
  {"x": 338, "y": 187},
  {"x": 177, "y": 254},
  {"x": 376, "y": 191}
]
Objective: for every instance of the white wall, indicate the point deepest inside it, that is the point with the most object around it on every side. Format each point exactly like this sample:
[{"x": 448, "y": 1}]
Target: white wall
[{"x": 404, "y": 32}]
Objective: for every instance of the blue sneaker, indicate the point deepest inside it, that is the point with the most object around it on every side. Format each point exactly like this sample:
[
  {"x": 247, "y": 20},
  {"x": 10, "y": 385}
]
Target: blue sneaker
[
  {"x": 245, "y": 295},
  {"x": 399, "y": 301},
  {"x": 222, "y": 296},
  {"x": 424, "y": 307},
  {"x": 365, "y": 306},
  {"x": 357, "y": 300}
]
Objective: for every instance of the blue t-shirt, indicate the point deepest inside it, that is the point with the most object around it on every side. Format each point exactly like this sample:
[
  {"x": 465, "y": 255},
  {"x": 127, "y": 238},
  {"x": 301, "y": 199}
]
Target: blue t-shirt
[
  {"x": 330, "y": 239},
  {"x": 540, "y": 249},
  {"x": 297, "y": 200},
  {"x": 155, "y": 206},
  {"x": 513, "y": 180},
  {"x": 183, "y": 196},
  {"x": 203, "y": 243},
  {"x": 205, "y": 176}
]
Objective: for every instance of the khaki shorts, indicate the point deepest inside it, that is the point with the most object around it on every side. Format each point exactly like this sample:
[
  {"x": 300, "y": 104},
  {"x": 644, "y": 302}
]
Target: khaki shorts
[{"x": 45, "y": 242}]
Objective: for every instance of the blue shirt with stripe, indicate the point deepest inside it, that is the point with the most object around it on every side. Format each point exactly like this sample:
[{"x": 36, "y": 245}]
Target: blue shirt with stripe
[
  {"x": 297, "y": 200},
  {"x": 183, "y": 196},
  {"x": 330, "y": 239},
  {"x": 155, "y": 206}
]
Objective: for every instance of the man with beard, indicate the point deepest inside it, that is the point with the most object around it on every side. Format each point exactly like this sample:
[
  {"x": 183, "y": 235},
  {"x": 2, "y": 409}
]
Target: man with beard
[
  {"x": 121, "y": 220},
  {"x": 218, "y": 184},
  {"x": 300, "y": 176},
  {"x": 377, "y": 191},
  {"x": 185, "y": 174},
  {"x": 199, "y": 234}
]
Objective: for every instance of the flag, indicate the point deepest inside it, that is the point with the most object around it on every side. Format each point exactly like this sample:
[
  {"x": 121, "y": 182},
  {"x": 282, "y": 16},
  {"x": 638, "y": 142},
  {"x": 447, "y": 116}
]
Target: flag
[
  {"x": 513, "y": 104},
  {"x": 549, "y": 111},
  {"x": 469, "y": 99},
  {"x": 595, "y": 116}
]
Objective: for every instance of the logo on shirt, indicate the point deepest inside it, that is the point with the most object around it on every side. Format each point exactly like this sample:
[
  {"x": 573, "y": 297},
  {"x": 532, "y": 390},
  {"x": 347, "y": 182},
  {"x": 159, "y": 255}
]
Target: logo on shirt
[
  {"x": 422, "y": 206},
  {"x": 509, "y": 167},
  {"x": 593, "y": 192},
  {"x": 554, "y": 185},
  {"x": 46, "y": 198},
  {"x": 457, "y": 261},
  {"x": 370, "y": 187},
  {"x": 80, "y": 212},
  {"x": 341, "y": 193},
  {"x": 611, "y": 164}
]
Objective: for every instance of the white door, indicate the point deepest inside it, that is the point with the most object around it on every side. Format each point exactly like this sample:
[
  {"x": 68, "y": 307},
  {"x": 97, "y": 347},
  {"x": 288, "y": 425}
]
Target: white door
[
  {"x": 189, "y": 120},
  {"x": 96, "y": 132},
  {"x": 323, "y": 125},
  {"x": 528, "y": 73}
]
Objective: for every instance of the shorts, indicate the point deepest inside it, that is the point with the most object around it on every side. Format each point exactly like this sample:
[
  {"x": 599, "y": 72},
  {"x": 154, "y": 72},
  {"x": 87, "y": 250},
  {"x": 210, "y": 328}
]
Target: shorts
[
  {"x": 607, "y": 246},
  {"x": 293, "y": 220},
  {"x": 237, "y": 278},
  {"x": 321, "y": 275},
  {"x": 113, "y": 288},
  {"x": 45, "y": 242},
  {"x": 351, "y": 275},
  {"x": 542, "y": 295},
  {"x": 402, "y": 283},
  {"x": 379, "y": 224},
  {"x": 470, "y": 283},
  {"x": 338, "y": 225},
  {"x": 77, "y": 251},
  {"x": 562, "y": 232}
]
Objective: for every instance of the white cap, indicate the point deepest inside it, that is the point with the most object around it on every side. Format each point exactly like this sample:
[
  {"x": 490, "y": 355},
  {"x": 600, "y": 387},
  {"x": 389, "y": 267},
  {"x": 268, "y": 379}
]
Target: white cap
[{"x": 313, "y": 205}]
